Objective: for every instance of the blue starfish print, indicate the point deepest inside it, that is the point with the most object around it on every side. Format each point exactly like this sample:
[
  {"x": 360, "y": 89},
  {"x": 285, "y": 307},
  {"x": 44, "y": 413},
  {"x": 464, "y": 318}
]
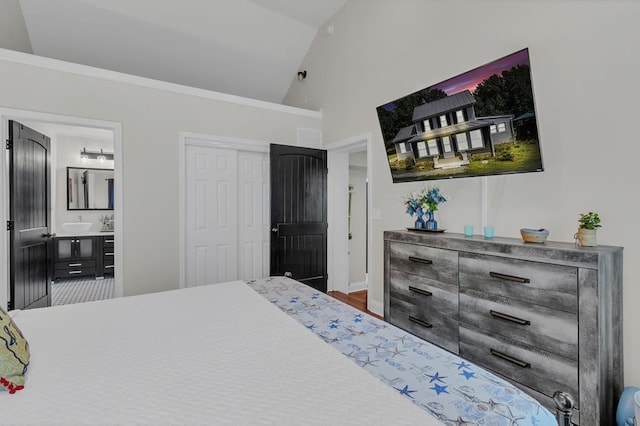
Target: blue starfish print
[
  {"x": 369, "y": 361},
  {"x": 314, "y": 296},
  {"x": 376, "y": 347},
  {"x": 468, "y": 374},
  {"x": 354, "y": 333},
  {"x": 311, "y": 326},
  {"x": 293, "y": 300},
  {"x": 397, "y": 351},
  {"x": 439, "y": 389},
  {"x": 400, "y": 338},
  {"x": 405, "y": 391},
  {"x": 463, "y": 364},
  {"x": 436, "y": 378},
  {"x": 351, "y": 355},
  {"x": 333, "y": 326}
]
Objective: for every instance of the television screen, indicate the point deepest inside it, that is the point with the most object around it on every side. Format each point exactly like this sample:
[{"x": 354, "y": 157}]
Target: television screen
[{"x": 479, "y": 123}]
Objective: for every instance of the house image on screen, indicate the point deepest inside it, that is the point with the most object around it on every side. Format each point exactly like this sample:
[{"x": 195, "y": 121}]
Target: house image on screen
[{"x": 448, "y": 131}]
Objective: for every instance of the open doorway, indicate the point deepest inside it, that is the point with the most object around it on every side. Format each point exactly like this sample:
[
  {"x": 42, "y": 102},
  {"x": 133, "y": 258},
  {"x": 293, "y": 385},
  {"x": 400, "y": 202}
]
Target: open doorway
[
  {"x": 357, "y": 221},
  {"x": 346, "y": 160},
  {"x": 70, "y": 136}
]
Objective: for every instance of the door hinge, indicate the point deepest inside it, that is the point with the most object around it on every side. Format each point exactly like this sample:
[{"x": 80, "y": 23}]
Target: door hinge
[
  {"x": 10, "y": 305},
  {"x": 9, "y": 144},
  {"x": 9, "y": 225}
]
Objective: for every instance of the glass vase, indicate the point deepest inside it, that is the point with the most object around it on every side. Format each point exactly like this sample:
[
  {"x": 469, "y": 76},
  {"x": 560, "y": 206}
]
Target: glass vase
[
  {"x": 419, "y": 223},
  {"x": 431, "y": 224}
]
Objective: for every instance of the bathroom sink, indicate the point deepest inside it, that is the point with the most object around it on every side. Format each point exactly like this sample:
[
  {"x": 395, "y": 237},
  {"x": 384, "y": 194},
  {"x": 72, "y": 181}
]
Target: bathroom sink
[{"x": 75, "y": 227}]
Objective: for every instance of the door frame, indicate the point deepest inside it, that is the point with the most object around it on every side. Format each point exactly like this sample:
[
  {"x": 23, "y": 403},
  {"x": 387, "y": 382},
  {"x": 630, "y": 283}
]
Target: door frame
[
  {"x": 337, "y": 193},
  {"x": 7, "y": 114},
  {"x": 210, "y": 141}
]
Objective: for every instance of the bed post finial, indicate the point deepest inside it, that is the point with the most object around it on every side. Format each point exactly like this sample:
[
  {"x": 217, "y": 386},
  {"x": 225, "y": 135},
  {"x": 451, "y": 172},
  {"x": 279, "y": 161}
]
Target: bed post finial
[{"x": 564, "y": 407}]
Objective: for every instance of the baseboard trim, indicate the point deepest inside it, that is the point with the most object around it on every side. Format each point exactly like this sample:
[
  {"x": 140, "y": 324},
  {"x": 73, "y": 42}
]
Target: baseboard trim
[
  {"x": 362, "y": 285},
  {"x": 375, "y": 306}
]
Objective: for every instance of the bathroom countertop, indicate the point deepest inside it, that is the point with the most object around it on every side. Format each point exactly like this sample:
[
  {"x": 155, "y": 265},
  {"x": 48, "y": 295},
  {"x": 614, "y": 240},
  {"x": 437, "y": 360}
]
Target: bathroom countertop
[{"x": 84, "y": 234}]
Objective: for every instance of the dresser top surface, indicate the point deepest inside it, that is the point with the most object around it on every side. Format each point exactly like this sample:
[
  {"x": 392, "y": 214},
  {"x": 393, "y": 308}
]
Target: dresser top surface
[{"x": 549, "y": 251}]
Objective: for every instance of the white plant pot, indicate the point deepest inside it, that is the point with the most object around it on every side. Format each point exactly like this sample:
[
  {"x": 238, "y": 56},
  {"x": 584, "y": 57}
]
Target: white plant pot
[{"x": 587, "y": 237}]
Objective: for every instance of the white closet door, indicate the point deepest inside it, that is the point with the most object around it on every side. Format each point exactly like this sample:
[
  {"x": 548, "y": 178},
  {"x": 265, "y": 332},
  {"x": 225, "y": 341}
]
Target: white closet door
[
  {"x": 211, "y": 215},
  {"x": 227, "y": 215},
  {"x": 253, "y": 215}
]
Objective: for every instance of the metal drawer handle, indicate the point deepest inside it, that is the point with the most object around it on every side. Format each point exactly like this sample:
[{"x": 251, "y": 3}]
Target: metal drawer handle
[
  {"x": 509, "y": 317},
  {"x": 420, "y": 260},
  {"x": 108, "y": 241},
  {"x": 420, "y": 322},
  {"x": 420, "y": 291},
  {"x": 108, "y": 254},
  {"x": 509, "y": 278},
  {"x": 75, "y": 264},
  {"x": 511, "y": 359},
  {"x": 108, "y": 266},
  {"x": 74, "y": 272}
]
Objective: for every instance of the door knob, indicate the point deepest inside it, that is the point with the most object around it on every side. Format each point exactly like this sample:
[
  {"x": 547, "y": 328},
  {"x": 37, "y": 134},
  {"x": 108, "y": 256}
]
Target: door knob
[
  {"x": 274, "y": 229},
  {"x": 288, "y": 274},
  {"x": 49, "y": 235}
]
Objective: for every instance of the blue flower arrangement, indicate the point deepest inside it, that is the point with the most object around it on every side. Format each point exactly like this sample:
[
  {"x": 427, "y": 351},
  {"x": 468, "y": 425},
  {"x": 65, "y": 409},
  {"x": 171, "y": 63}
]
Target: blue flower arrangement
[{"x": 426, "y": 201}]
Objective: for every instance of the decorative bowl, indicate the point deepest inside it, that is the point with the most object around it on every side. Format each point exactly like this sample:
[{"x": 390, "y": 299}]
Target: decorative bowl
[{"x": 534, "y": 235}]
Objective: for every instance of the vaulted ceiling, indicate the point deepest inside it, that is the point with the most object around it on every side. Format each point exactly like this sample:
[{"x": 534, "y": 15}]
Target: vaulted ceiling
[{"x": 250, "y": 48}]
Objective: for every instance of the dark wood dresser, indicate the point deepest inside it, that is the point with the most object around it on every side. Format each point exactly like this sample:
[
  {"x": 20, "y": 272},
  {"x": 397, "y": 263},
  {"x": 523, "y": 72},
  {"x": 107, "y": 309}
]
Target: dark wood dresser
[{"x": 547, "y": 317}]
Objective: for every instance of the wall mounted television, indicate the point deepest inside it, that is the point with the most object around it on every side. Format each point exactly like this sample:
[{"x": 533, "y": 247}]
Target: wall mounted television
[{"x": 479, "y": 123}]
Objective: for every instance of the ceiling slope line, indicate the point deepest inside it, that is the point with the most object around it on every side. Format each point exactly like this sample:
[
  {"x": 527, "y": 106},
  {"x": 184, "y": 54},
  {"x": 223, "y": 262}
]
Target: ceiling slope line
[{"x": 88, "y": 71}]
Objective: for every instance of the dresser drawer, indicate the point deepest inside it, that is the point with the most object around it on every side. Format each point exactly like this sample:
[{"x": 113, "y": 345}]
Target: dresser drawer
[
  {"x": 108, "y": 261},
  {"x": 107, "y": 243},
  {"x": 534, "y": 368},
  {"x": 80, "y": 264},
  {"x": 74, "y": 272},
  {"x": 433, "y": 327},
  {"x": 549, "y": 329},
  {"x": 426, "y": 294},
  {"x": 553, "y": 286},
  {"x": 435, "y": 264}
]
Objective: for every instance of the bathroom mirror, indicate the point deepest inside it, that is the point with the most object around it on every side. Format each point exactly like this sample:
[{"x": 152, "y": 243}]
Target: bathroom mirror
[{"x": 89, "y": 189}]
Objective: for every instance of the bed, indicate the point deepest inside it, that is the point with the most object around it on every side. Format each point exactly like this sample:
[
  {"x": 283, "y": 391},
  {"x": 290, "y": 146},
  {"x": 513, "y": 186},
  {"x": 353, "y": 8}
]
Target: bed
[{"x": 231, "y": 354}]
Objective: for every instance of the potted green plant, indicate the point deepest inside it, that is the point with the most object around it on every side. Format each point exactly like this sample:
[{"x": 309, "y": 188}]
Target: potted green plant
[{"x": 588, "y": 225}]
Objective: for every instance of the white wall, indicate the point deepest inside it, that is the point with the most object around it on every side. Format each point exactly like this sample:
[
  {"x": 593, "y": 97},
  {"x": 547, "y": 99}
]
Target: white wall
[
  {"x": 585, "y": 85},
  {"x": 151, "y": 122}
]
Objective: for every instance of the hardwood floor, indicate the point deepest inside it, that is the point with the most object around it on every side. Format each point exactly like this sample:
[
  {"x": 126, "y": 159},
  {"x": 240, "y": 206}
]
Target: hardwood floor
[{"x": 357, "y": 299}]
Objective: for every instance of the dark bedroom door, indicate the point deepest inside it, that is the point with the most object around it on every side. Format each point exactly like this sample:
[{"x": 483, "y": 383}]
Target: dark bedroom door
[
  {"x": 29, "y": 218},
  {"x": 299, "y": 214}
]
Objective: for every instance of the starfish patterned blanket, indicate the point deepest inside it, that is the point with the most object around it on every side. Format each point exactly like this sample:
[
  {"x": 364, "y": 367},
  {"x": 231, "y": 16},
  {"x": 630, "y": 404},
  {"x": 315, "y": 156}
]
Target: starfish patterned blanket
[{"x": 453, "y": 390}]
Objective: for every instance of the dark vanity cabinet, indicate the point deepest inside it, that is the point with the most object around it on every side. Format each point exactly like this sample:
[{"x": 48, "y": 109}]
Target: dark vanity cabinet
[
  {"x": 74, "y": 256},
  {"x": 84, "y": 256},
  {"x": 107, "y": 255}
]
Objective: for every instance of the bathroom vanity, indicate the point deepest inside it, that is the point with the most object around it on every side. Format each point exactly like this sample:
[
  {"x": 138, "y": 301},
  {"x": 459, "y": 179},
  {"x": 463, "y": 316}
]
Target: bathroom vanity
[{"x": 88, "y": 254}]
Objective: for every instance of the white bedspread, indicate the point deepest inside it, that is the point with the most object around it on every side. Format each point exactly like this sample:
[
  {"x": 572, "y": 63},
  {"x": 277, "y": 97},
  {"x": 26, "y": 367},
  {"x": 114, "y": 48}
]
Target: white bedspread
[{"x": 217, "y": 354}]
